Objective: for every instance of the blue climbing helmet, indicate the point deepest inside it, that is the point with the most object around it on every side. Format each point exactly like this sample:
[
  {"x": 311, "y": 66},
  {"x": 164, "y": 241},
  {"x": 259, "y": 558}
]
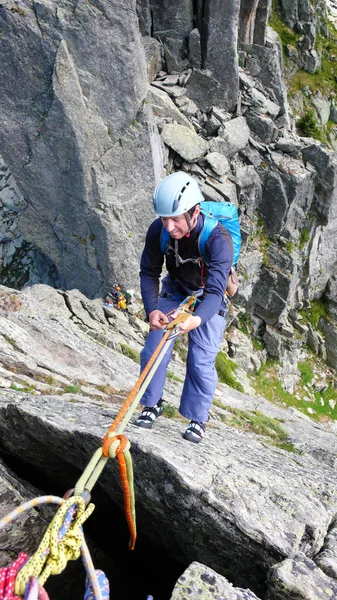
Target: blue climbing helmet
[{"x": 176, "y": 194}]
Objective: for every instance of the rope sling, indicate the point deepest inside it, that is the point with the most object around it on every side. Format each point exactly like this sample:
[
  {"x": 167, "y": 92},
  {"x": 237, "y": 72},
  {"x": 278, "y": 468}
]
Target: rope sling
[{"x": 64, "y": 539}]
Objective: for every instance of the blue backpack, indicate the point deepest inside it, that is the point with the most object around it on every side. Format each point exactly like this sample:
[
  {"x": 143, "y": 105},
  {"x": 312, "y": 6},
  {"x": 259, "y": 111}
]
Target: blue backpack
[{"x": 225, "y": 213}]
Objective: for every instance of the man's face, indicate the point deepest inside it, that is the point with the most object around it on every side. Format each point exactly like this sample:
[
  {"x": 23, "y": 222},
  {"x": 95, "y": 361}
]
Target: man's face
[{"x": 178, "y": 226}]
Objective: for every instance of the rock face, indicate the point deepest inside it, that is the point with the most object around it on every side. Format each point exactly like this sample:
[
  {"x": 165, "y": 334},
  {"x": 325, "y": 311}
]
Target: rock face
[
  {"x": 239, "y": 505},
  {"x": 63, "y": 152}
]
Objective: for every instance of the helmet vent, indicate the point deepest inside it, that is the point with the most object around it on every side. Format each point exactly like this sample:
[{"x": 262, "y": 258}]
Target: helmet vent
[{"x": 177, "y": 200}]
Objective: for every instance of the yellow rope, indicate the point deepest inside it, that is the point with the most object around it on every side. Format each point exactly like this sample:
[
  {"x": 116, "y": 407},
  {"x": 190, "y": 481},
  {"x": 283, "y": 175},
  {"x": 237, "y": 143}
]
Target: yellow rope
[{"x": 53, "y": 554}]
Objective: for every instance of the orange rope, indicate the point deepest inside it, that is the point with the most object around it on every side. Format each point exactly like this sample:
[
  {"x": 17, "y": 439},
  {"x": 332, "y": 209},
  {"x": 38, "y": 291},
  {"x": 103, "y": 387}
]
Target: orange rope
[
  {"x": 126, "y": 490},
  {"x": 108, "y": 441},
  {"x": 124, "y": 460}
]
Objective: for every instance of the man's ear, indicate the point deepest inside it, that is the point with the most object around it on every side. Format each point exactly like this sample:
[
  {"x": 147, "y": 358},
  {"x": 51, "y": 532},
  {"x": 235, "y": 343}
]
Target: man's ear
[{"x": 197, "y": 210}]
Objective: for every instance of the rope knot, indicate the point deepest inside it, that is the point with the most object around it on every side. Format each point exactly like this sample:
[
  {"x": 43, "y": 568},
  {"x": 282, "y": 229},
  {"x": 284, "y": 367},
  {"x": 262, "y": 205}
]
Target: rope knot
[{"x": 114, "y": 445}]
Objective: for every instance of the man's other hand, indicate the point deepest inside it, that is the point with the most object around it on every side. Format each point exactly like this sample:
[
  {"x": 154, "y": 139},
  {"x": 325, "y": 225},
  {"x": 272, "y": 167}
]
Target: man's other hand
[
  {"x": 158, "y": 320},
  {"x": 190, "y": 323}
]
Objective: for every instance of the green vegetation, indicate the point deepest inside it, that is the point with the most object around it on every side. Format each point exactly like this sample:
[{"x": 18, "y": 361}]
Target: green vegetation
[
  {"x": 308, "y": 126},
  {"x": 181, "y": 347},
  {"x": 306, "y": 371},
  {"x": 26, "y": 387},
  {"x": 289, "y": 247},
  {"x": 10, "y": 340},
  {"x": 81, "y": 240},
  {"x": 106, "y": 389},
  {"x": 72, "y": 389},
  {"x": 226, "y": 371},
  {"x": 170, "y": 412},
  {"x": 173, "y": 377},
  {"x": 46, "y": 379},
  {"x": 323, "y": 80},
  {"x": 304, "y": 237},
  {"x": 329, "y": 397},
  {"x": 288, "y": 37},
  {"x": 260, "y": 424},
  {"x": 318, "y": 308},
  {"x": 245, "y": 323},
  {"x": 130, "y": 353},
  {"x": 322, "y": 405}
]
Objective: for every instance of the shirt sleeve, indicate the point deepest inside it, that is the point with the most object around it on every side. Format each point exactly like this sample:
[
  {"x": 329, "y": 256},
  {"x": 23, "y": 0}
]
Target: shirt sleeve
[
  {"x": 220, "y": 253},
  {"x": 151, "y": 265}
]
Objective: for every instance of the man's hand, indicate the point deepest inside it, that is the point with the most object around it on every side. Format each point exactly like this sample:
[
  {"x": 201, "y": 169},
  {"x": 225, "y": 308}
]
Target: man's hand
[
  {"x": 190, "y": 323},
  {"x": 158, "y": 320}
]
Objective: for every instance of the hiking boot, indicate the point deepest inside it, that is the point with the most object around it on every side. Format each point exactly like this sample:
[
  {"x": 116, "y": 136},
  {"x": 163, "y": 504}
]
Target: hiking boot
[
  {"x": 149, "y": 414},
  {"x": 195, "y": 432}
]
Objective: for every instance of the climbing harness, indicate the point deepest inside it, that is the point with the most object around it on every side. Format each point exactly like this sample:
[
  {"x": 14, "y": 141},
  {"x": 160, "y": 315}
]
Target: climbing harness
[{"x": 64, "y": 538}]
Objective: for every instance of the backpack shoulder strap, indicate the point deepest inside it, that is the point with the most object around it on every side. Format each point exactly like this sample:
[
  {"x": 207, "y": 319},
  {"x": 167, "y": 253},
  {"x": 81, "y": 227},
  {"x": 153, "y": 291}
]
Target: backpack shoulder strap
[
  {"x": 206, "y": 231},
  {"x": 164, "y": 240}
]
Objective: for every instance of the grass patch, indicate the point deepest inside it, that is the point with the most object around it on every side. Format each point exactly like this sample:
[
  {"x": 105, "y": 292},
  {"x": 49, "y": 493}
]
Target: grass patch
[
  {"x": 258, "y": 423},
  {"x": 23, "y": 387},
  {"x": 322, "y": 404},
  {"x": 289, "y": 246},
  {"x": 323, "y": 80},
  {"x": 257, "y": 343},
  {"x": 308, "y": 127},
  {"x": 106, "y": 389},
  {"x": 181, "y": 348},
  {"x": 306, "y": 371},
  {"x": 245, "y": 323},
  {"x": 72, "y": 388},
  {"x": 218, "y": 403},
  {"x": 288, "y": 37},
  {"x": 10, "y": 341},
  {"x": 170, "y": 412},
  {"x": 46, "y": 379},
  {"x": 173, "y": 377},
  {"x": 226, "y": 371},
  {"x": 130, "y": 353},
  {"x": 318, "y": 308}
]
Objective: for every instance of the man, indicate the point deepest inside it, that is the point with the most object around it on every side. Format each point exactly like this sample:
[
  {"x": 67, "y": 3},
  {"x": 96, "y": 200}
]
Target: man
[{"x": 177, "y": 203}]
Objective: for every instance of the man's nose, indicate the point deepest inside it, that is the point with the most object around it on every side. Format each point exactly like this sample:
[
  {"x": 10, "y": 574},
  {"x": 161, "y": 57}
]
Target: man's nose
[{"x": 169, "y": 225}]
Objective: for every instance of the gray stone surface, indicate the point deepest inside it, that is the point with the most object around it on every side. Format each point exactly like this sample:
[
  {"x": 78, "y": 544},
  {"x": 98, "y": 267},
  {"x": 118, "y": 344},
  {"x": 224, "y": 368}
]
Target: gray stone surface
[
  {"x": 164, "y": 108},
  {"x": 233, "y": 137},
  {"x": 199, "y": 581},
  {"x": 58, "y": 152},
  {"x": 185, "y": 142},
  {"x": 330, "y": 334},
  {"x": 262, "y": 127},
  {"x": 265, "y": 63},
  {"x": 220, "y": 31},
  {"x": 298, "y": 577}
]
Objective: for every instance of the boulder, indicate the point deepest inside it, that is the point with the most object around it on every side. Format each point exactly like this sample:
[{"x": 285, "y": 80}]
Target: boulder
[
  {"x": 265, "y": 63},
  {"x": 200, "y": 582},
  {"x": 262, "y": 127},
  {"x": 164, "y": 108},
  {"x": 233, "y": 137},
  {"x": 299, "y": 577},
  {"x": 270, "y": 295},
  {"x": 185, "y": 142}
]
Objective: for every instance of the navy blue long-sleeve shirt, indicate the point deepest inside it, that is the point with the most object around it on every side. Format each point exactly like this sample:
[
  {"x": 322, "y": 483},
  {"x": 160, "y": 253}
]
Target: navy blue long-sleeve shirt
[{"x": 188, "y": 277}]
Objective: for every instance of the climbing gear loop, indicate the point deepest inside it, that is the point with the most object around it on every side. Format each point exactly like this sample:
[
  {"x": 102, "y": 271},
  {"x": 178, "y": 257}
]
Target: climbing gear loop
[{"x": 60, "y": 543}]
